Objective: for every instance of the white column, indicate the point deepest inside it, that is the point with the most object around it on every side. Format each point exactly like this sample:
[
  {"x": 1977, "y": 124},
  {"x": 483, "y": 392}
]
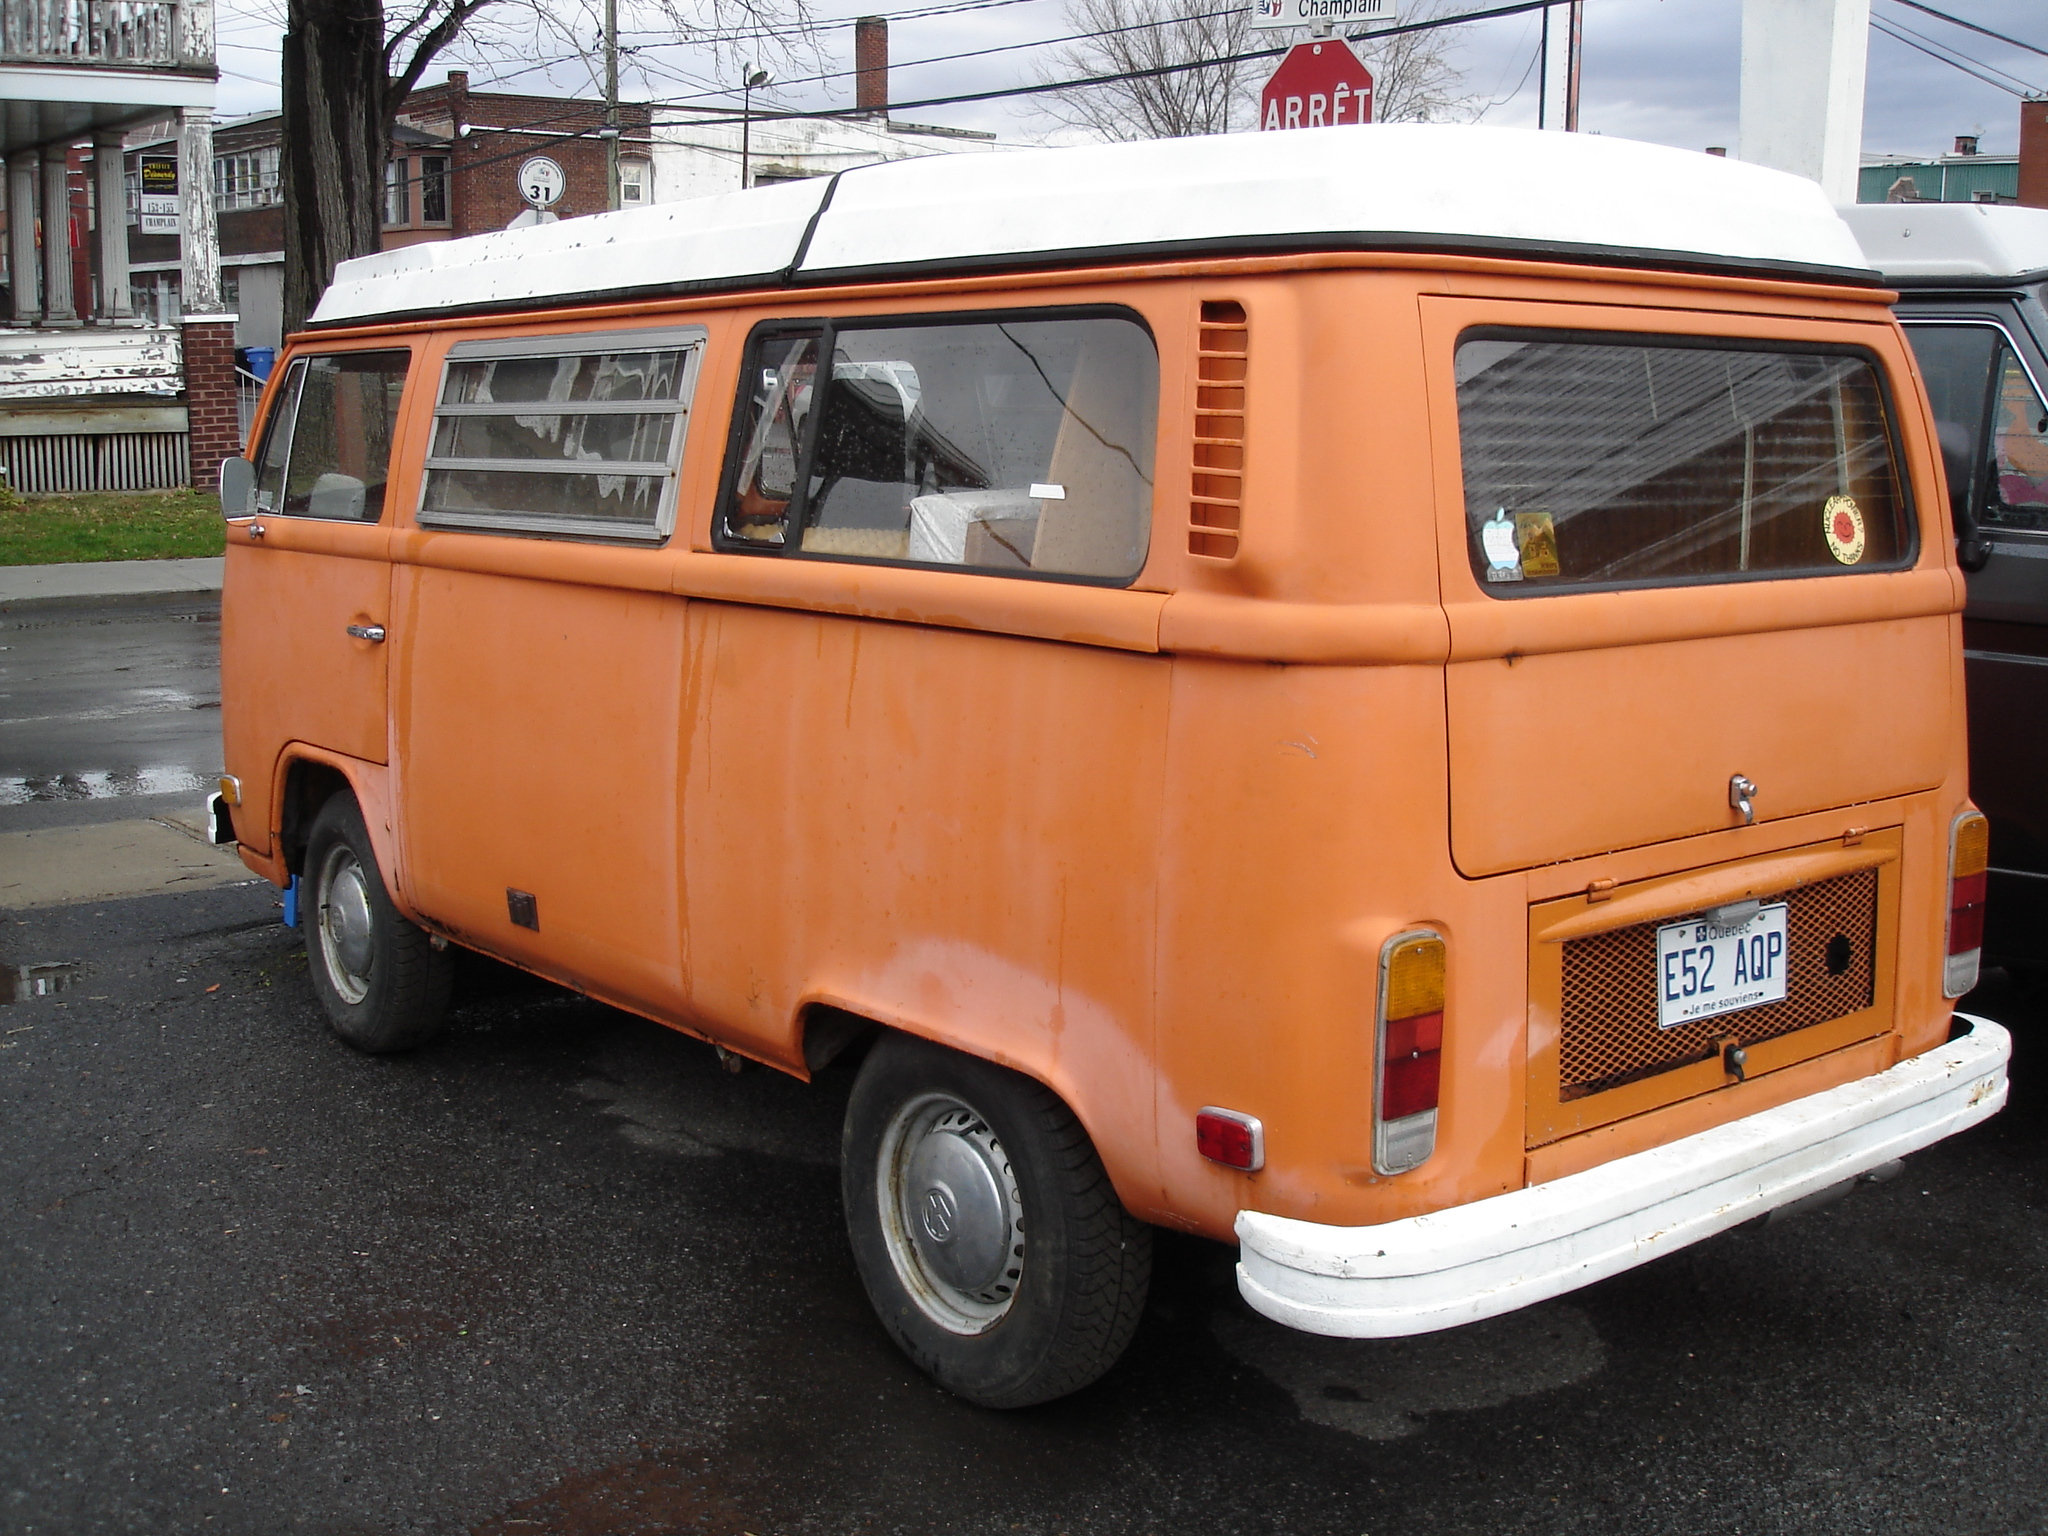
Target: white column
[
  {"x": 23, "y": 270},
  {"x": 1803, "y": 68},
  {"x": 58, "y": 308},
  {"x": 111, "y": 192},
  {"x": 199, "y": 236}
]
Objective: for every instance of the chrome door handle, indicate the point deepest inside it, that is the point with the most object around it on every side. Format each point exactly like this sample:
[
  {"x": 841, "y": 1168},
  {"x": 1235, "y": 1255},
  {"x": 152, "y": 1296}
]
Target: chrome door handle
[
  {"x": 256, "y": 530},
  {"x": 374, "y": 633}
]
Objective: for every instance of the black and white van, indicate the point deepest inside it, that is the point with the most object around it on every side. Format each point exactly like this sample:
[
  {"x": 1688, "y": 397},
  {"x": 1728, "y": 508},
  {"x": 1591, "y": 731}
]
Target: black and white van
[{"x": 1973, "y": 293}]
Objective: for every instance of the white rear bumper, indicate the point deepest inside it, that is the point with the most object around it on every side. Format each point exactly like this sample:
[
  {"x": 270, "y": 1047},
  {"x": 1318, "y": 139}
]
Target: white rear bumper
[{"x": 1492, "y": 1256}]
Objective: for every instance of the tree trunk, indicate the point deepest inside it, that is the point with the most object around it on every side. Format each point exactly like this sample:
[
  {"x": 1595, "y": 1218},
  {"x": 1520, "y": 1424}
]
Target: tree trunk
[{"x": 332, "y": 159}]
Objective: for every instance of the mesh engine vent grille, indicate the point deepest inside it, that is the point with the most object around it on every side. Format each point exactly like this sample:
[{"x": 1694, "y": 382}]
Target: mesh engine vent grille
[
  {"x": 1609, "y": 1034},
  {"x": 1216, "y": 500}
]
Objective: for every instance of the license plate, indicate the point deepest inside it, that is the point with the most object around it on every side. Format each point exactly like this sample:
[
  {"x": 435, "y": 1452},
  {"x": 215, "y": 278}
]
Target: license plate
[{"x": 1704, "y": 971}]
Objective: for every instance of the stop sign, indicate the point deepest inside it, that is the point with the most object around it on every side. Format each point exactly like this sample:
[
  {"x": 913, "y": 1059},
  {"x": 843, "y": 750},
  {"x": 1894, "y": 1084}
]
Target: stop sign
[{"x": 1316, "y": 86}]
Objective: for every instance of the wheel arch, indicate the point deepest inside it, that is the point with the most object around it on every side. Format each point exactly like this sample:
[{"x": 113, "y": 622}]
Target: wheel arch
[
  {"x": 831, "y": 1027},
  {"x": 306, "y": 778}
]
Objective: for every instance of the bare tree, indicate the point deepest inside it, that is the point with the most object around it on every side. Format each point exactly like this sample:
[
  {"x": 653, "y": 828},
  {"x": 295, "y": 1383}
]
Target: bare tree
[
  {"x": 348, "y": 66},
  {"x": 1155, "y": 34},
  {"x": 1415, "y": 77}
]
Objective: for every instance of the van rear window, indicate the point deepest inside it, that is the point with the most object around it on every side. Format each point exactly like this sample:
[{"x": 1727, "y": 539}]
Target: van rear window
[{"x": 1616, "y": 461}]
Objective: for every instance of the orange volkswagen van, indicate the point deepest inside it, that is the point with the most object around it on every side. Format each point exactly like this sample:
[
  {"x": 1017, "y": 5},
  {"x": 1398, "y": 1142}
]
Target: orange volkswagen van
[{"x": 1394, "y": 699}]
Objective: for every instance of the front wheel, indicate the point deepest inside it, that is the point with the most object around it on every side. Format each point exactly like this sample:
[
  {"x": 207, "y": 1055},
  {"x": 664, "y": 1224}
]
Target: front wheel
[
  {"x": 383, "y": 984},
  {"x": 985, "y": 1229}
]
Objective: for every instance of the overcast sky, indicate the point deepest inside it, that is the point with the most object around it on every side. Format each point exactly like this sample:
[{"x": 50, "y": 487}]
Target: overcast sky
[{"x": 1662, "y": 70}]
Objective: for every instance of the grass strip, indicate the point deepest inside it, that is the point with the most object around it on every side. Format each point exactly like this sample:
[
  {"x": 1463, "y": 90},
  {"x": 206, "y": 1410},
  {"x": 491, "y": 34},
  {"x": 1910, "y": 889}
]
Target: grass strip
[{"x": 109, "y": 525}]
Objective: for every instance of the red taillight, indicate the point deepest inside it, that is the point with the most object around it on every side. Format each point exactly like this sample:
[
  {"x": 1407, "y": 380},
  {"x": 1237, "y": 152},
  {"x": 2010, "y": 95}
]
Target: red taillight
[
  {"x": 1412, "y": 1058},
  {"x": 1227, "y": 1137},
  {"x": 1969, "y": 859},
  {"x": 1409, "y": 1076}
]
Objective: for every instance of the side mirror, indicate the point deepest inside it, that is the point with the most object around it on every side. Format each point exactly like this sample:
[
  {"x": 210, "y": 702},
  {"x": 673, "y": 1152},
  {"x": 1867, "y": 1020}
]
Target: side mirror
[{"x": 237, "y": 487}]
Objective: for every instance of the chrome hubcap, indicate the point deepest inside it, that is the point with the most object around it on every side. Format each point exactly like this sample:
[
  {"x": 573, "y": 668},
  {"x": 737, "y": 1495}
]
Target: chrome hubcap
[
  {"x": 951, "y": 1213},
  {"x": 344, "y": 924}
]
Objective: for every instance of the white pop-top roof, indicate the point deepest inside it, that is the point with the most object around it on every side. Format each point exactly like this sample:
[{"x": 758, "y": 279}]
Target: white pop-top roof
[
  {"x": 1395, "y": 186},
  {"x": 1906, "y": 241}
]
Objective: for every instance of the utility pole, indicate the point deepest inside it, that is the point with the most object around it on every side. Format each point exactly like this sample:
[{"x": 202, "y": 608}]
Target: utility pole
[
  {"x": 611, "y": 103},
  {"x": 1573, "y": 53},
  {"x": 1567, "y": 87},
  {"x": 1804, "y": 65}
]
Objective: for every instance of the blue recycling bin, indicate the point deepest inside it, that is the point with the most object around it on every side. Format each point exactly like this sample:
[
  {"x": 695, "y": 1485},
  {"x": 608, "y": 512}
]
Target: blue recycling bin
[{"x": 261, "y": 361}]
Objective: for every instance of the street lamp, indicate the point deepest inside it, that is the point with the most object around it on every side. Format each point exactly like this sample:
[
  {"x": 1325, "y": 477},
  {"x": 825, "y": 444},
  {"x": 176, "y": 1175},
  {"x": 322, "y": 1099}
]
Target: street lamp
[{"x": 753, "y": 80}]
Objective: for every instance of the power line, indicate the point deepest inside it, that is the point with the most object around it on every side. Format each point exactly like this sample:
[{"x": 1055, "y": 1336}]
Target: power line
[
  {"x": 918, "y": 13},
  {"x": 1897, "y": 27},
  {"x": 975, "y": 53},
  {"x": 1957, "y": 21},
  {"x": 1516, "y": 9},
  {"x": 1969, "y": 68}
]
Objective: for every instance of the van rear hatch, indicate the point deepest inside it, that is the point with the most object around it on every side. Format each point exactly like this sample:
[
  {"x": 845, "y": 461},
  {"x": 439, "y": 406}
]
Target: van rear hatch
[
  {"x": 1691, "y": 597},
  {"x": 1679, "y": 567}
]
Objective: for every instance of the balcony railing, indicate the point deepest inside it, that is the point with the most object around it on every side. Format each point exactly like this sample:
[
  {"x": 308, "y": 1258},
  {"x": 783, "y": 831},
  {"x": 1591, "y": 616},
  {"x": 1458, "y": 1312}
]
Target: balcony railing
[{"x": 114, "y": 34}]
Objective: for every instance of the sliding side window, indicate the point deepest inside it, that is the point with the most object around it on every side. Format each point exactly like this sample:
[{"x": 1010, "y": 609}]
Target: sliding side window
[
  {"x": 1011, "y": 444},
  {"x": 574, "y": 437}
]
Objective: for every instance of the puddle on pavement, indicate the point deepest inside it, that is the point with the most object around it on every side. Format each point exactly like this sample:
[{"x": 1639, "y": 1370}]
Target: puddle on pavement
[
  {"x": 101, "y": 784},
  {"x": 1383, "y": 1389},
  {"x": 21, "y": 982}
]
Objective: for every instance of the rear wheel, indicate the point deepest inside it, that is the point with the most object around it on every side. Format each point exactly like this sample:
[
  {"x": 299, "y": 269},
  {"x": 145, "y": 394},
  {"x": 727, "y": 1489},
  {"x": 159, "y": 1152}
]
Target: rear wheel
[
  {"x": 986, "y": 1231},
  {"x": 383, "y": 984}
]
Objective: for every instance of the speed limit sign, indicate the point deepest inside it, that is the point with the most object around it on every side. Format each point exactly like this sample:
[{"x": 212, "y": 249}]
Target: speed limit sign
[{"x": 541, "y": 182}]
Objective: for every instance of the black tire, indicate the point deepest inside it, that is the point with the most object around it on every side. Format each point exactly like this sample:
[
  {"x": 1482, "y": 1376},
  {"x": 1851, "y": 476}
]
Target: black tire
[
  {"x": 1027, "y": 1280},
  {"x": 382, "y": 982}
]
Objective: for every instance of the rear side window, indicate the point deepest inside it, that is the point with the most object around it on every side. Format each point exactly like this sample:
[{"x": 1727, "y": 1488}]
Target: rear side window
[
  {"x": 569, "y": 436},
  {"x": 327, "y": 450},
  {"x": 1006, "y": 444},
  {"x": 1616, "y": 461}
]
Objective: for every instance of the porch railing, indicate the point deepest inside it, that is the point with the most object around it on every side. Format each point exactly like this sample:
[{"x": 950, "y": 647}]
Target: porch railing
[{"x": 122, "y": 34}]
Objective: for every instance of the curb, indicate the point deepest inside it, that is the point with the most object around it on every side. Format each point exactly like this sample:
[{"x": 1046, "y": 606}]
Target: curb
[
  {"x": 22, "y": 606},
  {"x": 109, "y": 582}
]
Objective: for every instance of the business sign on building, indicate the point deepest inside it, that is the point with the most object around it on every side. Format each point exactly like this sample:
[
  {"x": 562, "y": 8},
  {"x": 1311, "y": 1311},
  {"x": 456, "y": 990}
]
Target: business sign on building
[
  {"x": 1271, "y": 15},
  {"x": 157, "y": 179}
]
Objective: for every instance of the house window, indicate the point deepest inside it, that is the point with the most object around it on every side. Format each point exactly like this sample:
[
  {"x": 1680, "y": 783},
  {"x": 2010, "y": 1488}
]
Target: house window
[
  {"x": 632, "y": 183},
  {"x": 246, "y": 180},
  {"x": 397, "y": 192},
  {"x": 433, "y": 189}
]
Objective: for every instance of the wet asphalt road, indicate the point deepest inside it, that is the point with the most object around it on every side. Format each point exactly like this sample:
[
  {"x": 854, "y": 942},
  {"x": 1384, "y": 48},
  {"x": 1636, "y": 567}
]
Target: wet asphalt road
[
  {"x": 108, "y": 711},
  {"x": 562, "y": 1274}
]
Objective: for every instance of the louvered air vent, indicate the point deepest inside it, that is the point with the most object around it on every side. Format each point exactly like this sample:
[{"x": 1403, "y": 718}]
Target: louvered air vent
[{"x": 1216, "y": 506}]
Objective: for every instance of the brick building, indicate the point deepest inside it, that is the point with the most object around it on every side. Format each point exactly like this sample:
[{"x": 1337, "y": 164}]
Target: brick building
[{"x": 451, "y": 170}]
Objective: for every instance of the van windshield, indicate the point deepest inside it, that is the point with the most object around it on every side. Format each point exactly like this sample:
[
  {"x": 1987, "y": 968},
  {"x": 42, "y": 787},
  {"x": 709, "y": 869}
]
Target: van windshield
[{"x": 1649, "y": 461}]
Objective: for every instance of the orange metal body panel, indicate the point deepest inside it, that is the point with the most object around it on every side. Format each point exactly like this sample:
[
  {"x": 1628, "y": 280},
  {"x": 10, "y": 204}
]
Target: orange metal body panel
[{"x": 1143, "y": 843}]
